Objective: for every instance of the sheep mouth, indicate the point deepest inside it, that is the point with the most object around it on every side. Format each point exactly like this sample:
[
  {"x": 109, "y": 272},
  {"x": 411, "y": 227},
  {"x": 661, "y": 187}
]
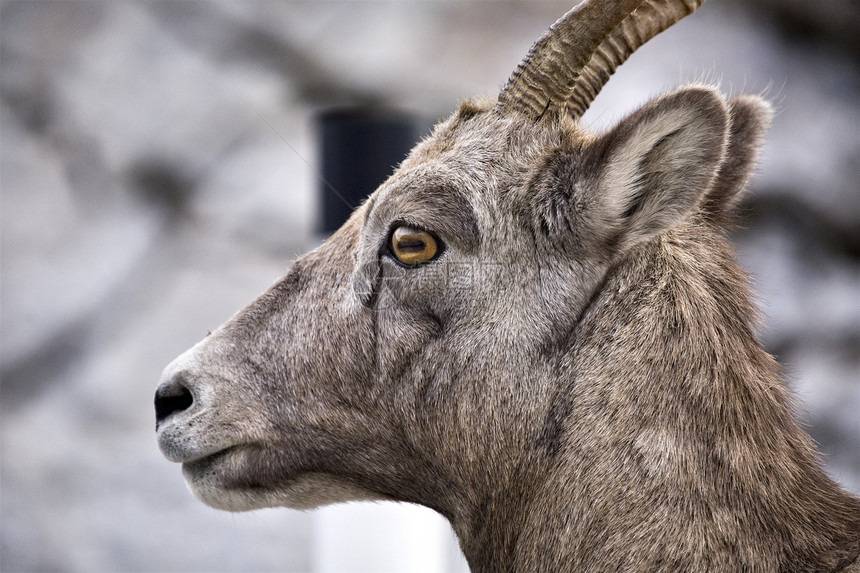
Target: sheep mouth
[{"x": 205, "y": 464}]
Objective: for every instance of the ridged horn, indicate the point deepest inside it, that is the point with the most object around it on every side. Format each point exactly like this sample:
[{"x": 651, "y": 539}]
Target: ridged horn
[
  {"x": 649, "y": 19},
  {"x": 573, "y": 60},
  {"x": 547, "y": 74}
]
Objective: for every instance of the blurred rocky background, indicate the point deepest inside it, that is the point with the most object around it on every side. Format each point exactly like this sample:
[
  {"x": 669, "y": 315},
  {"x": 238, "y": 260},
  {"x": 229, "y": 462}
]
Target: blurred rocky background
[{"x": 158, "y": 167}]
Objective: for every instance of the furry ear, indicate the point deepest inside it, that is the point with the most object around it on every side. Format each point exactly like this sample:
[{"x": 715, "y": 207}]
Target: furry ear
[
  {"x": 750, "y": 117},
  {"x": 654, "y": 168}
]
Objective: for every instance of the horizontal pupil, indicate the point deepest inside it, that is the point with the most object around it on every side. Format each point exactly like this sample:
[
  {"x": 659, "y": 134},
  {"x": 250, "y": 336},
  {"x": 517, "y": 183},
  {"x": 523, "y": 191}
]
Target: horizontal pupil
[{"x": 411, "y": 245}]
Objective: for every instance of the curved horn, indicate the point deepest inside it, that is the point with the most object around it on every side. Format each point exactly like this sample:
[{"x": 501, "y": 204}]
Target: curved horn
[
  {"x": 549, "y": 71},
  {"x": 574, "y": 59},
  {"x": 649, "y": 19}
]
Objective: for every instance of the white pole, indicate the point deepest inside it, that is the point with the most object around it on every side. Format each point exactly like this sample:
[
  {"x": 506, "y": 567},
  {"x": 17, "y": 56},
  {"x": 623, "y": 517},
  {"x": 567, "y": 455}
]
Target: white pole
[{"x": 382, "y": 538}]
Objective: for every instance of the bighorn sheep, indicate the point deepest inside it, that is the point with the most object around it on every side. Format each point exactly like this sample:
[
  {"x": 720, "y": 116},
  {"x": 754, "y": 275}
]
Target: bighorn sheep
[{"x": 537, "y": 331}]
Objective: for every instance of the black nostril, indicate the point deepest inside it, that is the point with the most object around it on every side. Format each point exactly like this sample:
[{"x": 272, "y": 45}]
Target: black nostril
[{"x": 170, "y": 398}]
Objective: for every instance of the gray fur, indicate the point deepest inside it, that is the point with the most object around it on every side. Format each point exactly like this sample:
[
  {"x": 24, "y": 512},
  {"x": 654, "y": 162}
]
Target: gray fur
[{"x": 575, "y": 383}]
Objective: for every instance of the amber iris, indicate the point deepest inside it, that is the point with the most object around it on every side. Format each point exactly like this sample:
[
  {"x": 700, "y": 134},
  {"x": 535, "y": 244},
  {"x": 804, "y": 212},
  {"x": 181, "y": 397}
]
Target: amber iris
[{"x": 412, "y": 246}]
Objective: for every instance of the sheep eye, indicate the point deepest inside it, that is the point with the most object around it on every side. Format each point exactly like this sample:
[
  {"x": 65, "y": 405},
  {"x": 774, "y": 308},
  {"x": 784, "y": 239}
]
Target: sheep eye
[{"x": 413, "y": 247}]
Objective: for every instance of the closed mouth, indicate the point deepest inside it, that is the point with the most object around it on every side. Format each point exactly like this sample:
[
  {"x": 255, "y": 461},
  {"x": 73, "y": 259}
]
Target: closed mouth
[{"x": 204, "y": 463}]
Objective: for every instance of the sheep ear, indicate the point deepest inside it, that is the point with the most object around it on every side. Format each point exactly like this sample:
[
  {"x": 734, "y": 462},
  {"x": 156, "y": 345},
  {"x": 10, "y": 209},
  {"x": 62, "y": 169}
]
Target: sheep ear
[
  {"x": 655, "y": 166},
  {"x": 750, "y": 118}
]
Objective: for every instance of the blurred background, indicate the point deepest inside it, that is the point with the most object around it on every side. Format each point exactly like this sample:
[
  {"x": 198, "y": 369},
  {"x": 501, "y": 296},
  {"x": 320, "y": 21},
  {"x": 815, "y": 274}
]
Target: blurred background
[{"x": 159, "y": 163}]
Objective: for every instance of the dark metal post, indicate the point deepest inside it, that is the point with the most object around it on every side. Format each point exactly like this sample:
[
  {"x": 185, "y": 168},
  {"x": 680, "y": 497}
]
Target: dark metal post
[{"x": 360, "y": 150}]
